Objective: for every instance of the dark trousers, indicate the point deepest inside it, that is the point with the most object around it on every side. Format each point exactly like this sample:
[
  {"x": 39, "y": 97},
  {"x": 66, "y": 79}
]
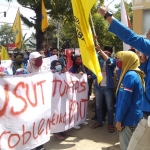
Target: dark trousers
[
  {"x": 39, "y": 147},
  {"x": 104, "y": 110},
  {"x": 90, "y": 83}
]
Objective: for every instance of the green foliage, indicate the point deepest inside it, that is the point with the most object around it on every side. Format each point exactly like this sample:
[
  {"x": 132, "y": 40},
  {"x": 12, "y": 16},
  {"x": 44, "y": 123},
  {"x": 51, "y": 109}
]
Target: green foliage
[
  {"x": 61, "y": 10},
  {"x": 6, "y": 34},
  {"x": 24, "y": 42},
  {"x": 128, "y": 9},
  {"x": 117, "y": 42},
  {"x": 27, "y": 22},
  {"x": 68, "y": 35},
  {"x": 57, "y": 9}
]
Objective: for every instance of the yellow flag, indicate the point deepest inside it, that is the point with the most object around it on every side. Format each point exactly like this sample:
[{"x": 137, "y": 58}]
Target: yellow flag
[
  {"x": 4, "y": 54},
  {"x": 44, "y": 18},
  {"x": 81, "y": 9},
  {"x": 17, "y": 30}
]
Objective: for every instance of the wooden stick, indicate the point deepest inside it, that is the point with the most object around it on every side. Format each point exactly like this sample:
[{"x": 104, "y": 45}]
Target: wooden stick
[{"x": 96, "y": 42}]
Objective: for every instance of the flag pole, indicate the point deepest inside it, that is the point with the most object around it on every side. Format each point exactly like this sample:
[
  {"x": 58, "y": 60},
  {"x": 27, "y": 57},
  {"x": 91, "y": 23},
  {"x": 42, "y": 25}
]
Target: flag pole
[{"x": 96, "y": 42}]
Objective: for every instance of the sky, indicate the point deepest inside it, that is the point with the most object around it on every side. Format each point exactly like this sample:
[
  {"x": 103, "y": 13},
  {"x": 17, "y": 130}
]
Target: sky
[{"x": 12, "y": 7}]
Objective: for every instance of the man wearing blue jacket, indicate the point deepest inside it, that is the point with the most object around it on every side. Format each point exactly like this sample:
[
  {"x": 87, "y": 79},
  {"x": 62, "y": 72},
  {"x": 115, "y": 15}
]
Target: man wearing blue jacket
[
  {"x": 140, "y": 139},
  {"x": 105, "y": 89}
]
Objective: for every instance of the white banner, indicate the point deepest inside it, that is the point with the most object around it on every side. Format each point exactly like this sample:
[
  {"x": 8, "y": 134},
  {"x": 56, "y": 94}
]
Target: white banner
[{"x": 33, "y": 106}]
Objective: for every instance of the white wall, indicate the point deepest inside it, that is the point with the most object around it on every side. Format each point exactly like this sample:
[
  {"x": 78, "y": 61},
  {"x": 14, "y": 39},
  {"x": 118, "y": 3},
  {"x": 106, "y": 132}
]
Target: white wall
[{"x": 146, "y": 21}]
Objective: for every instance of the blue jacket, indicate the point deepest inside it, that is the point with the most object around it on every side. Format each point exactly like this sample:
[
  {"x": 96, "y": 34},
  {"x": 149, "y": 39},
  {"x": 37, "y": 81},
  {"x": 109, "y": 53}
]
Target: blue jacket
[
  {"x": 129, "y": 37},
  {"x": 110, "y": 66},
  {"x": 138, "y": 42},
  {"x": 146, "y": 68},
  {"x": 129, "y": 99}
]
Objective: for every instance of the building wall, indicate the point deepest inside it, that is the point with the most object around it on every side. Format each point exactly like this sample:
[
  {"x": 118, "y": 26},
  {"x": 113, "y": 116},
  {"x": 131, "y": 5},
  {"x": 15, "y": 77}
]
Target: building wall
[
  {"x": 141, "y": 17},
  {"x": 137, "y": 21}
]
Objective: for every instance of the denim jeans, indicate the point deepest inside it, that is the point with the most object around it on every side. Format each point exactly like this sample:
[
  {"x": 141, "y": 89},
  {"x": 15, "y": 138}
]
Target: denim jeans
[{"x": 108, "y": 93}]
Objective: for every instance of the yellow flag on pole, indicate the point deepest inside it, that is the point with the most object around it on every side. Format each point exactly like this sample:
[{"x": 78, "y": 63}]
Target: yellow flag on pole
[
  {"x": 4, "y": 54},
  {"x": 81, "y": 9},
  {"x": 17, "y": 30},
  {"x": 44, "y": 18}
]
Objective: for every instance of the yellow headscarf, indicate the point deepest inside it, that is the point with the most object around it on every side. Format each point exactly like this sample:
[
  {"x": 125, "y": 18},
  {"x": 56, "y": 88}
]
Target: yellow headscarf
[{"x": 130, "y": 61}]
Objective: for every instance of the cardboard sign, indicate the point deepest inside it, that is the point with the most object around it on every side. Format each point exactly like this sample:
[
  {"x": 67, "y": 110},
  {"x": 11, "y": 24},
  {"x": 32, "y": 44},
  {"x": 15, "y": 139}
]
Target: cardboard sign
[{"x": 47, "y": 62}]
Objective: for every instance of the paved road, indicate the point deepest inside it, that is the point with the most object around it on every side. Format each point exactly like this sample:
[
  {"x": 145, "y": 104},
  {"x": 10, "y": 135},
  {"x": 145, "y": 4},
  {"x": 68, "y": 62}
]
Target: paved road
[{"x": 86, "y": 138}]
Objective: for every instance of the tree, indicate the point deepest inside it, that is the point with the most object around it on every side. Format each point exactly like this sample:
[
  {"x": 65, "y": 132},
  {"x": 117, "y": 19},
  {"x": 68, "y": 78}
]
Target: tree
[
  {"x": 101, "y": 28},
  {"x": 6, "y": 35},
  {"x": 61, "y": 10},
  {"x": 58, "y": 9},
  {"x": 117, "y": 42},
  {"x": 68, "y": 35},
  {"x": 24, "y": 42},
  {"x": 128, "y": 9}
]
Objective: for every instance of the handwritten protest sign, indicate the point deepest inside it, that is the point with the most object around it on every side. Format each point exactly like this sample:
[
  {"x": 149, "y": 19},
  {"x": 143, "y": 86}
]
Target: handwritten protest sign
[
  {"x": 46, "y": 63},
  {"x": 69, "y": 100},
  {"x": 8, "y": 65},
  {"x": 33, "y": 106}
]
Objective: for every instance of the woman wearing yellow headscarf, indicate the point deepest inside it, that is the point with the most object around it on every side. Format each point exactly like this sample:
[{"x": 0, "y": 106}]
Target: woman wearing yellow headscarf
[{"x": 129, "y": 96}]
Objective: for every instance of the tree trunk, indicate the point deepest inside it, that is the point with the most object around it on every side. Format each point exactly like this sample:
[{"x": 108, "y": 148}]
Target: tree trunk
[{"x": 39, "y": 33}]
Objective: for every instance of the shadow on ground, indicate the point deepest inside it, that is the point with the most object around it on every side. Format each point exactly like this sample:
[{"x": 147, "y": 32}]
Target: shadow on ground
[{"x": 86, "y": 138}]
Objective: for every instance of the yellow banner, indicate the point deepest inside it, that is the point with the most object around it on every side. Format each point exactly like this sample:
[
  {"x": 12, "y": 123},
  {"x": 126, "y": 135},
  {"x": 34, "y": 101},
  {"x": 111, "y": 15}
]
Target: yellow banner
[
  {"x": 17, "y": 30},
  {"x": 81, "y": 9},
  {"x": 44, "y": 18}
]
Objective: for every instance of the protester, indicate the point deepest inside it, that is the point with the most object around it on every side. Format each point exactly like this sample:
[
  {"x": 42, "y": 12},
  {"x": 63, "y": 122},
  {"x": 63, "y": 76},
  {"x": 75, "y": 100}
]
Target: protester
[
  {"x": 26, "y": 57},
  {"x": 56, "y": 67},
  {"x": 78, "y": 68},
  {"x": 65, "y": 59},
  {"x": 105, "y": 89},
  {"x": 62, "y": 60},
  {"x": 34, "y": 66},
  {"x": 55, "y": 51},
  {"x": 90, "y": 82},
  {"x": 125, "y": 33},
  {"x": 18, "y": 63},
  {"x": 132, "y": 50},
  {"x": 47, "y": 51},
  {"x": 129, "y": 96},
  {"x": 141, "y": 136},
  {"x": 42, "y": 53}
]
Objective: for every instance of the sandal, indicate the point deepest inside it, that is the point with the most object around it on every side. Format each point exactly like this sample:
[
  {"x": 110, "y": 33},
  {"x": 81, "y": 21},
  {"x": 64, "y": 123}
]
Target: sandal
[
  {"x": 96, "y": 125},
  {"x": 111, "y": 128}
]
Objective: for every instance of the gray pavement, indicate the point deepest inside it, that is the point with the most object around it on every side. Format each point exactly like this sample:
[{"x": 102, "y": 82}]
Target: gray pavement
[{"x": 86, "y": 138}]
